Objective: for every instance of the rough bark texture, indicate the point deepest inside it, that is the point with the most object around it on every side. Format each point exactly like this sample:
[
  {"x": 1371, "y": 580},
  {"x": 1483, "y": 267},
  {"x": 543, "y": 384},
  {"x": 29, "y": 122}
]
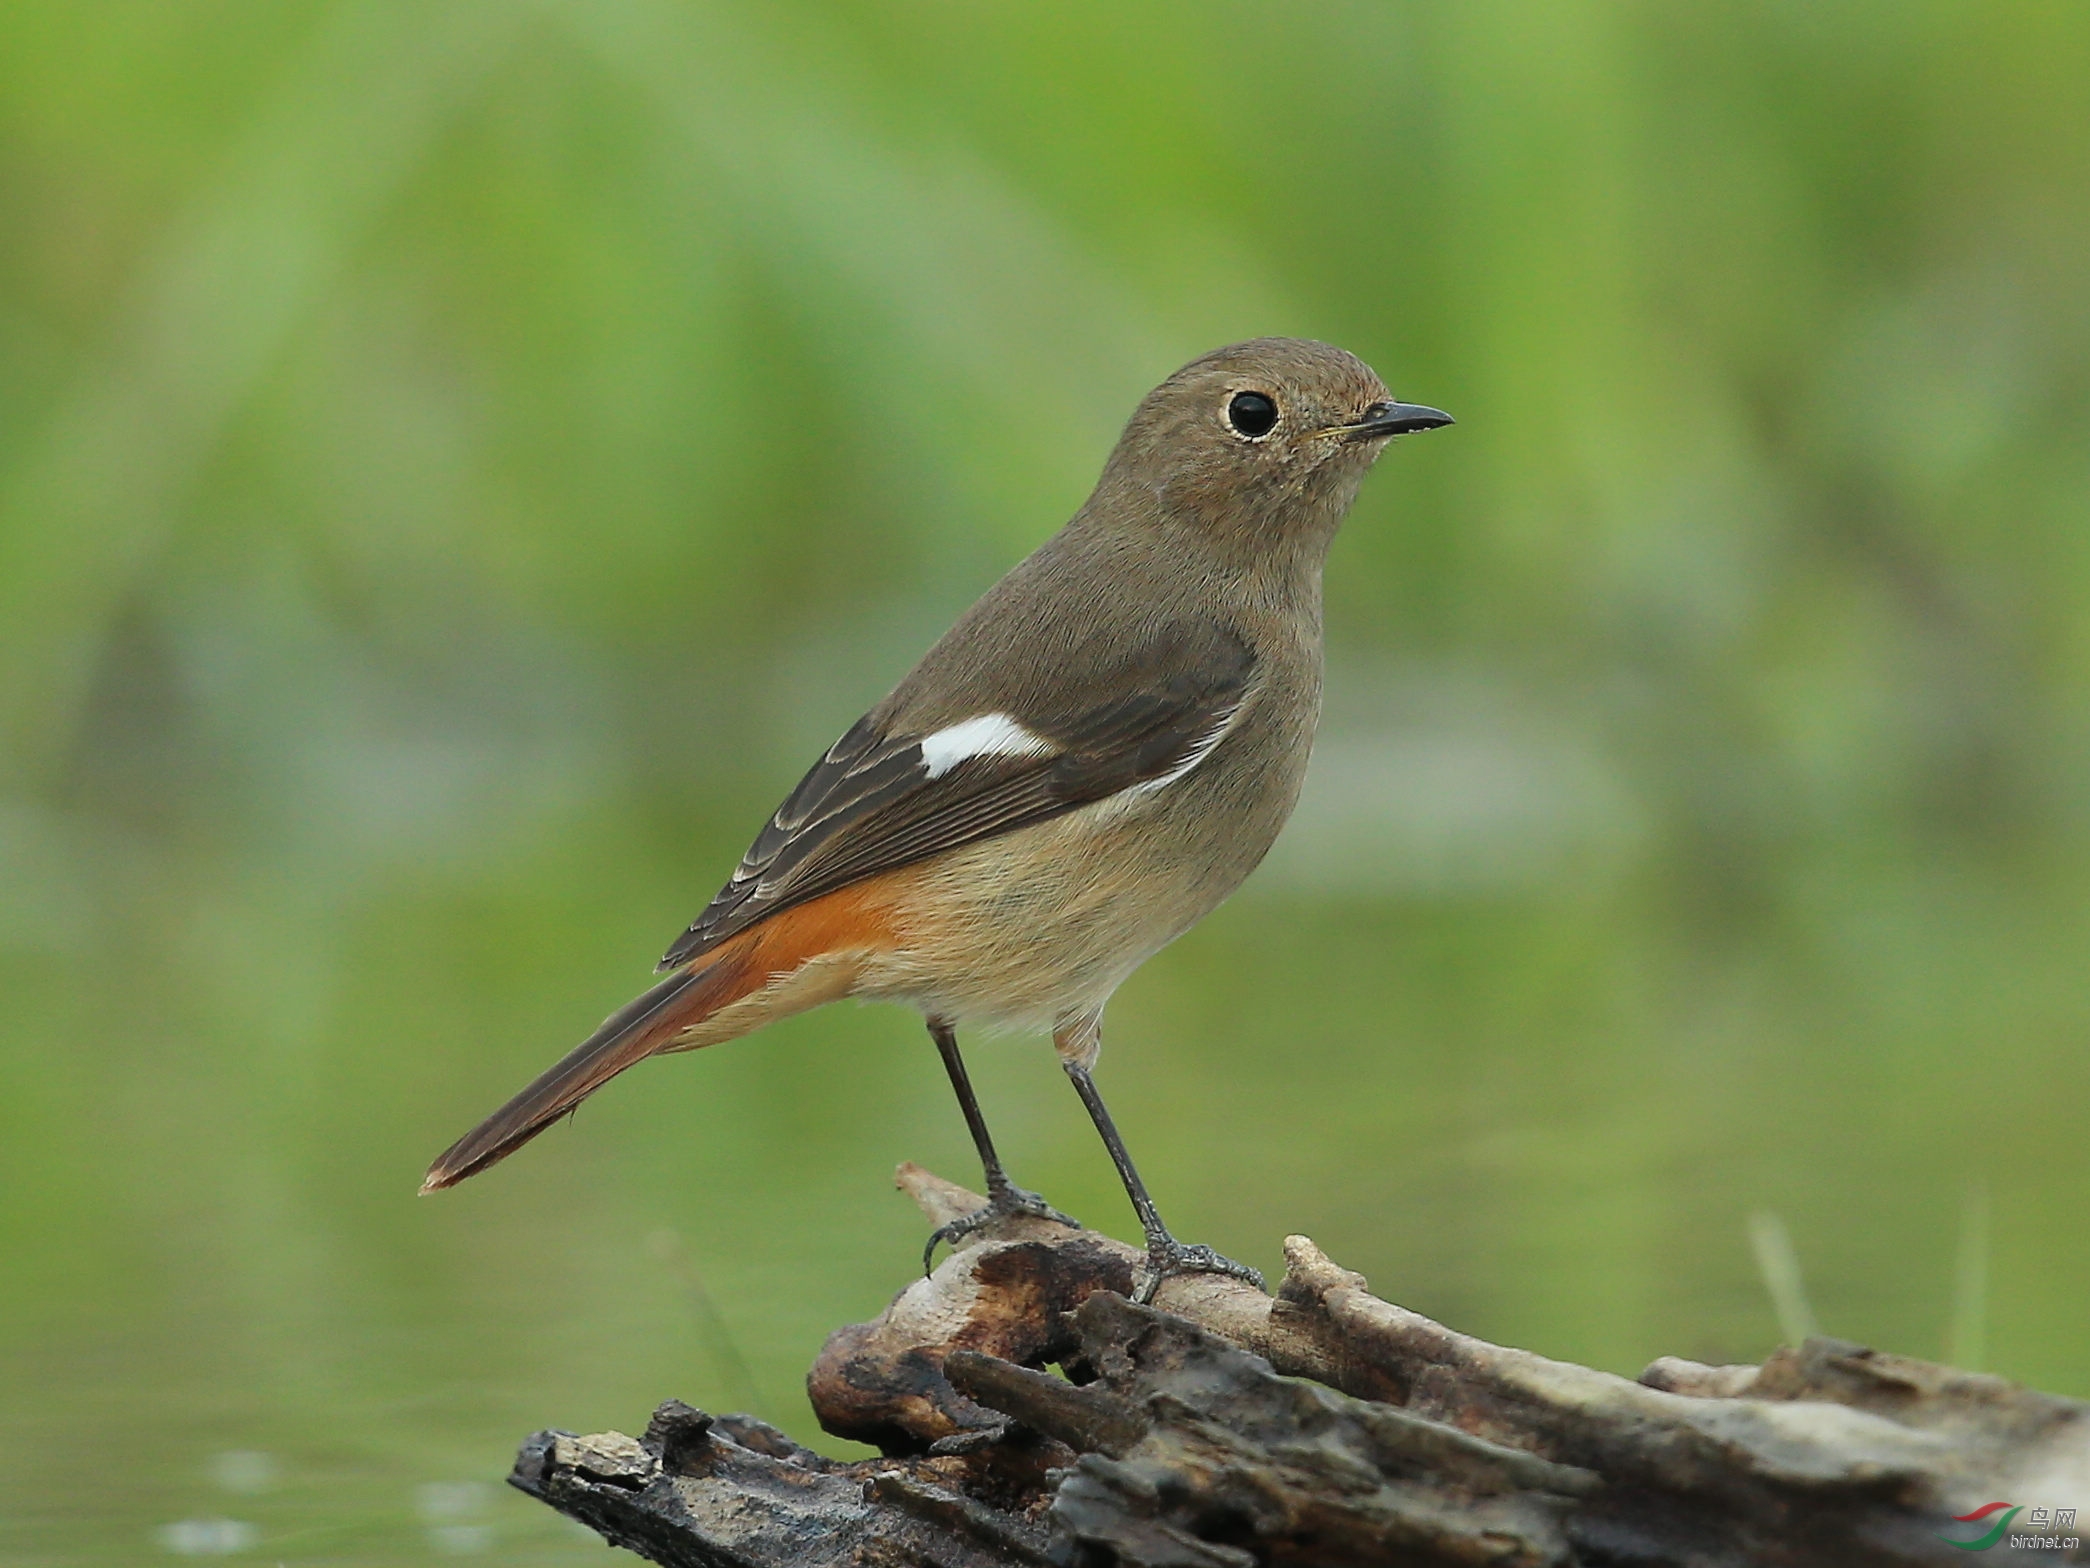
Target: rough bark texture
[{"x": 1222, "y": 1426}]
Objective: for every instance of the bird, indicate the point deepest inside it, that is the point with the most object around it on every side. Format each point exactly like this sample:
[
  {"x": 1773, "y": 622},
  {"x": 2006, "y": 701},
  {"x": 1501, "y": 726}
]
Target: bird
[{"x": 1085, "y": 765}]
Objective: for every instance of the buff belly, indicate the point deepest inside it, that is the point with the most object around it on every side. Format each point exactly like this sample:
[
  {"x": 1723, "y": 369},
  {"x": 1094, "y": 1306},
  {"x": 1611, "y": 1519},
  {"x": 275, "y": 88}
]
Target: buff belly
[{"x": 1042, "y": 925}]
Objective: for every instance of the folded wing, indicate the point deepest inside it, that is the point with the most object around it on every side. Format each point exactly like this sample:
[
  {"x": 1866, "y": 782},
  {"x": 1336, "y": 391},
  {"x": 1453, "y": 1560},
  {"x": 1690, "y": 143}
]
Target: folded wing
[{"x": 880, "y": 799}]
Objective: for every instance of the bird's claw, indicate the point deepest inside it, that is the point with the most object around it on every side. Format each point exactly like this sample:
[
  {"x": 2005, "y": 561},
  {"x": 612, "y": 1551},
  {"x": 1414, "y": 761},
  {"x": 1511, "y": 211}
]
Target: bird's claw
[
  {"x": 1002, "y": 1204},
  {"x": 1167, "y": 1257}
]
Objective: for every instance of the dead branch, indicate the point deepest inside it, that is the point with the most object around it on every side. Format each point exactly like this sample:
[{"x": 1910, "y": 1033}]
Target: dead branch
[{"x": 1226, "y": 1427}]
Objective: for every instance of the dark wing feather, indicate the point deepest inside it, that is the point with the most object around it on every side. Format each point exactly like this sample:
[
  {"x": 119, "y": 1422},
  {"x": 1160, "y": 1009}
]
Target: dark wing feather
[{"x": 869, "y": 805}]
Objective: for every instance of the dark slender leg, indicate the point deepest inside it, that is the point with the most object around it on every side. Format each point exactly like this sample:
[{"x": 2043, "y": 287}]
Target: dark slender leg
[
  {"x": 946, "y": 1039},
  {"x": 1165, "y": 1254},
  {"x": 1004, "y": 1197}
]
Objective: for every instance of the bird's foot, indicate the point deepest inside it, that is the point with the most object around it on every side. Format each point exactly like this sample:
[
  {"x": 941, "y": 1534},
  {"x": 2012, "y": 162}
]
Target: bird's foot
[
  {"x": 1168, "y": 1257},
  {"x": 1002, "y": 1203}
]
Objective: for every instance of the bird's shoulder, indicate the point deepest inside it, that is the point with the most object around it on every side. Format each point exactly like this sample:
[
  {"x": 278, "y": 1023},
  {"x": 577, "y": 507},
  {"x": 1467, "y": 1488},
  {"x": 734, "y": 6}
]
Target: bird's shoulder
[{"x": 1078, "y": 627}]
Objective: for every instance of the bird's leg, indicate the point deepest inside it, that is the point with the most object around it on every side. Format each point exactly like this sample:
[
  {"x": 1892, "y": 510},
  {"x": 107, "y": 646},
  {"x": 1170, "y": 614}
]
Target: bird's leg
[
  {"x": 1078, "y": 1043},
  {"x": 1004, "y": 1197}
]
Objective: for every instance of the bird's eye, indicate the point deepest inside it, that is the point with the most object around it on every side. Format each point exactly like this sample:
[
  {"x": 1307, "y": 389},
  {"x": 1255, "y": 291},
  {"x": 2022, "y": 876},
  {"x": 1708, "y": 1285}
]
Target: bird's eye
[{"x": 1251, "y": 414}]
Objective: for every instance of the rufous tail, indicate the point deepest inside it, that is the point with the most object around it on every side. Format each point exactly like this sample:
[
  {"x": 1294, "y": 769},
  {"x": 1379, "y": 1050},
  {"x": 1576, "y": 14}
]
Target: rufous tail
[{"x": 629, "y": 1035}]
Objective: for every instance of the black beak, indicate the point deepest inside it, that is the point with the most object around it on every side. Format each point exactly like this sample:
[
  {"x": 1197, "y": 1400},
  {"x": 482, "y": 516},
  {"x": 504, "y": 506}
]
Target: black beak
[{"x": 1395, "y": 419}]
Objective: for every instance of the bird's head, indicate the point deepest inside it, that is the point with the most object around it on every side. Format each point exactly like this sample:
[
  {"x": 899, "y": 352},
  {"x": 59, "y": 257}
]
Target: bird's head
[{"x": 1261, "y": 443}]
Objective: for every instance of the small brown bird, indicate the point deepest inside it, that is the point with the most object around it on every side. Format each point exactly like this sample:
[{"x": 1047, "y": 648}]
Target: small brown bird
[{"x": 1098, "y": 752}]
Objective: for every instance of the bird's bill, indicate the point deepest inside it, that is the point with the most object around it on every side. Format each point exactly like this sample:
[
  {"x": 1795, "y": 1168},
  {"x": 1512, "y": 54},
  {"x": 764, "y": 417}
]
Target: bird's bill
[{"x": 1392, "y": 419}]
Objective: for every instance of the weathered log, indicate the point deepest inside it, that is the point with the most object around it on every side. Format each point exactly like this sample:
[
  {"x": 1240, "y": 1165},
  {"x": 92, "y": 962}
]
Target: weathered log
[{"x": 1223, "y": 1426}]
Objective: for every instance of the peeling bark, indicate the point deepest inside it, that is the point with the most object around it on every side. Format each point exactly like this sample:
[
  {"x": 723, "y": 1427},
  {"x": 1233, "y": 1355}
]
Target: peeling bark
[{"x": 1222, "y": 1426}]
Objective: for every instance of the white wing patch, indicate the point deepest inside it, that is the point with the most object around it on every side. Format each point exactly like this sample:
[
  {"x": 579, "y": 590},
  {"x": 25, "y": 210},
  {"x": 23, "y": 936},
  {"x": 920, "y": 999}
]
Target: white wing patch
[{"x": 989, "y": 735}]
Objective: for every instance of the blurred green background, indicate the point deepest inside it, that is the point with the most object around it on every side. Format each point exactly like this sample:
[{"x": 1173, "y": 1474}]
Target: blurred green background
[{"x": 459, "y": 461}]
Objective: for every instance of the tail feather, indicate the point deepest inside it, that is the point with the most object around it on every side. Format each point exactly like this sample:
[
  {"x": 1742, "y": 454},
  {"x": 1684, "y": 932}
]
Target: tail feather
[
  {"x": 795, "y": 959},
  {"x": 629, "y": 1035}
]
